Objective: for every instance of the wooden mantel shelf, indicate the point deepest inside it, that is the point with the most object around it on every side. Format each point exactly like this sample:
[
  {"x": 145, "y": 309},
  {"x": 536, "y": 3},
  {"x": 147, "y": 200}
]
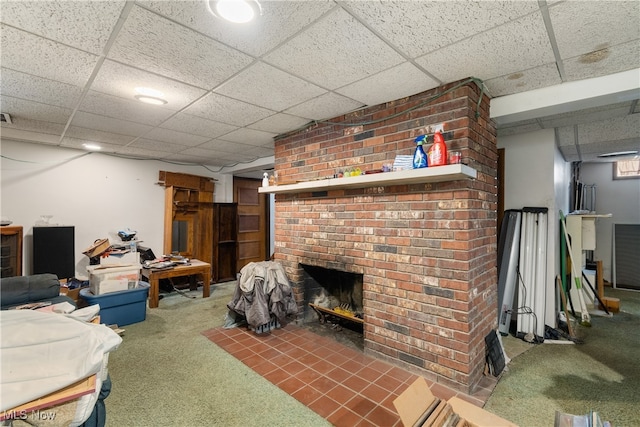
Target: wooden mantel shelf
[{"x": 411, "y": 176}]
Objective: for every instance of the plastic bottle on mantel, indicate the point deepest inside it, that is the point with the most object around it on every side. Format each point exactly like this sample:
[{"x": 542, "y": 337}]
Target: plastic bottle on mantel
[
  {"x": 419, "y": 157},
  {"x": 438, "y": 152}
]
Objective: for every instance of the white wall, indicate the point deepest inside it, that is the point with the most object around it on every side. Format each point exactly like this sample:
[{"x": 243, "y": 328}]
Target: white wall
[
  {"x": 537, "y": 176},
  {"x": 621, "y": 198},
  {"x": 96, "y": 193}
]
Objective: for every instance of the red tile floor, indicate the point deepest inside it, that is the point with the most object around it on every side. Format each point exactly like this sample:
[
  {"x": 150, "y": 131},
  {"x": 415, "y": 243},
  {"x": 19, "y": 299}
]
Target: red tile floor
[{"x": 341, "y": 384}]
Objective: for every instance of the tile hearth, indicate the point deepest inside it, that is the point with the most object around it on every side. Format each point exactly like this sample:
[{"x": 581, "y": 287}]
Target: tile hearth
[{"x": 339, "y": 383}]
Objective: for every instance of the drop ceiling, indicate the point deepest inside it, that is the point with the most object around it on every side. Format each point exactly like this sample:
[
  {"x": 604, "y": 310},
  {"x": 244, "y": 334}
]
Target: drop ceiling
[{"x": 69, "y": 69}]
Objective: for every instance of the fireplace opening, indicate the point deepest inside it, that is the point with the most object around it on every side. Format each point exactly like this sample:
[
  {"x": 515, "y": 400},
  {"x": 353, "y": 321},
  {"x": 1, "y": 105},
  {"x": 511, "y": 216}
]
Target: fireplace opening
[
  {"x": 338, "y": 298},
  {"x": 332, "y": 290}
]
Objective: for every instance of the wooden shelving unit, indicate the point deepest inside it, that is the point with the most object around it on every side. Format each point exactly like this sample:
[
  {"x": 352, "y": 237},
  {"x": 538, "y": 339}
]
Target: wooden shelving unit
[
  {"x": 11, "y": 255},
  {"x": 411, "y": 176}
]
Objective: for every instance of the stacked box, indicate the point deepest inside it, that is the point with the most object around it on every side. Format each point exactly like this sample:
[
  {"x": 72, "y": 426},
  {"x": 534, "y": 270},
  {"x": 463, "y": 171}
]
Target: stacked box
[
  {"x": 105, "y": 279},
  {"x": 120, "y": 308}
]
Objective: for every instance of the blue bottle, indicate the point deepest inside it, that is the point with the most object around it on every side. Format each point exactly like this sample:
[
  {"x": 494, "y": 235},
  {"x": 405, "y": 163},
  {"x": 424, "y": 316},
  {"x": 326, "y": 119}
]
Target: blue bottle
[{"x": 419, "y": 157}]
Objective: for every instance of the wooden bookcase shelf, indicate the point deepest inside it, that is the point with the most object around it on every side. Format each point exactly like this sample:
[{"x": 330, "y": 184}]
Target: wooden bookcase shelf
[{"x": 411, "y": 176}]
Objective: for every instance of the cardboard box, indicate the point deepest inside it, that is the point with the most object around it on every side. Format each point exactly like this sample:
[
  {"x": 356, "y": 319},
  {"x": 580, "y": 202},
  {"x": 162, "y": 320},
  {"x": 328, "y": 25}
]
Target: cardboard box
[
  {"x": 98, "y": 247},
  {"x": 106, "y": 279},
  {"x": 418, "y": 406},
  {"x": 120, "y": 308},
  {"x": 129, "y": 258}
]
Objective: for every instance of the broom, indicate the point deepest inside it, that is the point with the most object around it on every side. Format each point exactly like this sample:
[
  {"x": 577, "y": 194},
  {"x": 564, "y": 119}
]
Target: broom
[{"x": 585, "y": 318}]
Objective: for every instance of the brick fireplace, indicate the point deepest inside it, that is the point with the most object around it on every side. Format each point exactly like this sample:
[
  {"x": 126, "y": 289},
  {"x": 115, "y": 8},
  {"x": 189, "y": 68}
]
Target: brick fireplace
[{"x": 426, "y": 252}]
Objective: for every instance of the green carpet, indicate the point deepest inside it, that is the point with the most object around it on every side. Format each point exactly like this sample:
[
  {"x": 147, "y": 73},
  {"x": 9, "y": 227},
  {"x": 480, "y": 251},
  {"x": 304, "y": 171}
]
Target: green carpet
[
  {"x": 602, "y": 375},
  {"x": 165, "y": 373}
]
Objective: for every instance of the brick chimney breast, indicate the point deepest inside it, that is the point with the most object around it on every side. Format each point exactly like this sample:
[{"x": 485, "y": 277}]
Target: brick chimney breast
[{"x": 426, "y": 251}]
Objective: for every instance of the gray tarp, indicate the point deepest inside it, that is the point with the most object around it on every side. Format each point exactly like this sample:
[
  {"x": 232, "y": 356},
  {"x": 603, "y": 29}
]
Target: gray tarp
[{"x": 263, "y": 291}]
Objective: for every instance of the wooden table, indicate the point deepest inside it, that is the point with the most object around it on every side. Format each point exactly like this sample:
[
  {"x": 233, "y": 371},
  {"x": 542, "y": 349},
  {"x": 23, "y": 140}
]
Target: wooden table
[{"x": 194, "y": 267}]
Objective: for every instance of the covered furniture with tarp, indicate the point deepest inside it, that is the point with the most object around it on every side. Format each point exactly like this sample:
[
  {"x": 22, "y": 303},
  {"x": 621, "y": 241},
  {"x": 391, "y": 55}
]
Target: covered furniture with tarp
[
  {"x": 263, "y": 298},
  {"x": 53, "y": 364}
]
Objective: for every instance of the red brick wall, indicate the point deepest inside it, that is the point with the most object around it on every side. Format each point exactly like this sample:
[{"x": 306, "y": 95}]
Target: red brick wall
[{"x": 427, "y": 251}]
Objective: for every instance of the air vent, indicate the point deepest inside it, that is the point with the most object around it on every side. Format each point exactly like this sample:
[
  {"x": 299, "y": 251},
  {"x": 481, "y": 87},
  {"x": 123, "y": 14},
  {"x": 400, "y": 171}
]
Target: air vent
[{"x": 5, "y": 118}]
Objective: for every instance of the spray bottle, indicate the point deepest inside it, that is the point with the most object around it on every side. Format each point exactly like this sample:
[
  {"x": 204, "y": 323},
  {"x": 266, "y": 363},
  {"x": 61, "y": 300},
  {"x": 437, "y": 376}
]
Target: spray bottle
[
  {"x": 438, "y": 151},
  {"x": 419, "y": 157}
]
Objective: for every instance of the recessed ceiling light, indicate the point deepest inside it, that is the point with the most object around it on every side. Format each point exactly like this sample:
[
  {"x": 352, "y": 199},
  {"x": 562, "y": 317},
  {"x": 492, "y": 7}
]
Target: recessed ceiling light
[
  {"x": 149, "y": 92},
  {"x": 92, "y": 147},
  {"x": 236, "y": 11},
  {"x": 618, "y": 154},
  {"x": 150, "y": 96},
  {"x": 150, "y": 100}
]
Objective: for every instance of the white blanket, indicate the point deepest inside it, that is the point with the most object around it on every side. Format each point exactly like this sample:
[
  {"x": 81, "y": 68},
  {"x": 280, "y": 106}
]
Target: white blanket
[{"x": 41, "y": 353}]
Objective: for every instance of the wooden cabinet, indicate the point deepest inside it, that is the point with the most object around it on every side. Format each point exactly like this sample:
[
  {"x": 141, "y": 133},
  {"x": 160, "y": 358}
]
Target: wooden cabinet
[
  {"x": 188, "y": 215},
  {"x": 11, "y": 251},
  {"x": 225, "y": 242}
]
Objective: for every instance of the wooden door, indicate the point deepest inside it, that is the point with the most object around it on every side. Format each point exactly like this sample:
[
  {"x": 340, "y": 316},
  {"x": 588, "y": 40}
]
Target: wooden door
[
  {"x": 253, "y": 232},
  {"x": 225, "y": 241}
]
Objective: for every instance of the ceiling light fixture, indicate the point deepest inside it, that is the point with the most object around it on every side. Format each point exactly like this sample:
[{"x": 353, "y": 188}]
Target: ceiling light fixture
[
  {"x": 618, "y": 154},
  {"x": 150, "y": 100},
  {"x": 92, "y": 147},
  {"x": 150, "y": 96},
  {"x": 236, "y": 11}
]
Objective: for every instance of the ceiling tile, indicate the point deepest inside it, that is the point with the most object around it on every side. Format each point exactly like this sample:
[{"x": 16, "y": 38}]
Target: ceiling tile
[
  {"x": 19, "y": 134},
  {"x": 155, "y": 145},
  {"x": 525, "y": 126},
  {"x": 334, "y": 52},
  {"x": 325, "y": 107},
  {"x": 195, "y": 125},
  {"x": 587, "y": 116},
  {"x": 239, "y": 158},
  {"x": 77, "y": 143},
  {"x": 173, "y": 137},
  {"x": 200, "y": 152},
  {"x": 163, "y": 47},
  {"x": 494, "y": 53},
  {"x": 627, "y": 127},
  {"x": 20, "y": 109},
  {"x": 279, "y": 21},
  {"x": 566, "y": 136},
  {"x": 263, "y": 152},
  {"x": 108, "y": 124},
  {"x": 25, "y": 86},
  {"x": 249, "y": 136},
  {"x": 85, "y": 25},
  {"x": 264, "y": 85},
  {"x": 35, "y": 126},
  {"x": 124, "y": 109},
  {"x": 395, "y": 83},
  {"x": 533, "y": 78},
  {"x": 211, "y": 159},
  {"x": 121, "y": 80},
  {"x": 92, "y": 135},
  {"x": 226, "y": 146},
  {"x": 226, "y": 110},
  {"x": 419, "y": 27},
  {"x": 586, "y": 26},
  {"x": 45, "y": 58},
  {"x": 611, "y": 60},
  {"x": 140, "y": 153},
  {"x": 279, "y": 123}
]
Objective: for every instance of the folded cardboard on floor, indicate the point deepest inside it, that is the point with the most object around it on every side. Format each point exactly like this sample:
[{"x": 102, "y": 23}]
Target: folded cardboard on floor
[{"x": 418, "y": 406}]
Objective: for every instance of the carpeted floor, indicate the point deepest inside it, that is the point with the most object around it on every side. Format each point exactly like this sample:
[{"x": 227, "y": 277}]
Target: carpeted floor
[
  {"x": 164, "y": 378},
  {"x": 602, "y": 374},
  {"x": 166, "y": 372}
]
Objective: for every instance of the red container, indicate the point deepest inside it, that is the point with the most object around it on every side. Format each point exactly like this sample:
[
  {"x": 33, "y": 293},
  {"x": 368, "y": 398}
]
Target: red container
[{"x": 438, "y": 152}]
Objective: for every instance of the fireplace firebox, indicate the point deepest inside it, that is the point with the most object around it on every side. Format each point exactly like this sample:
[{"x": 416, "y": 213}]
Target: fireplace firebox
[{"x": 329, "y": 288}]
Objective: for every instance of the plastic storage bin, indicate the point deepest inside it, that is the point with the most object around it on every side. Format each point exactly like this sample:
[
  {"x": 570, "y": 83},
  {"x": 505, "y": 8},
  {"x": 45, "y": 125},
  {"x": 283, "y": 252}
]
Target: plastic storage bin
[{"x": 120, "y": 308}]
